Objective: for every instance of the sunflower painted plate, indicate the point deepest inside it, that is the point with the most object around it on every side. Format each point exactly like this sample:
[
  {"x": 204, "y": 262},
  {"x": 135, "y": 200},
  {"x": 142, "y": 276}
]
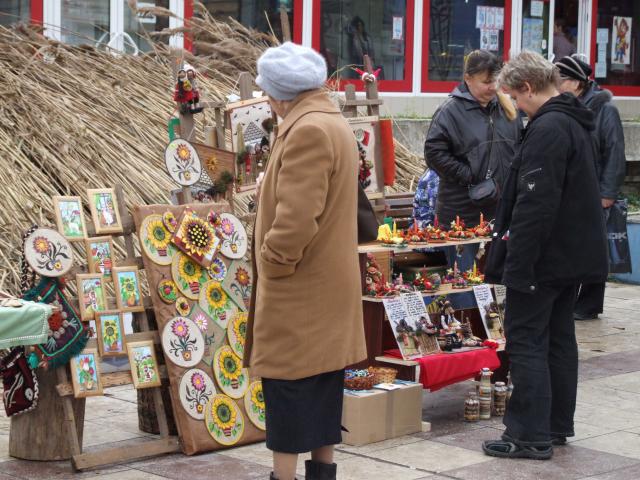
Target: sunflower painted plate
[
  {"x": 168, "y": 291},
  {"x": 237, "y": 332},
  {"x": 48, "y": 253},
  {"x": 182, "y": 342},
  {"x": 156, "y": 240},
  {"x": 218, "y": 270},
  {"x": 196, "y": 389},
  {"x": 216, "y": 303},
  {"x": 182, "y": 162},
  {"x": 238, "y": 283},
  {"x": 231, "y": 377},
  {"x": 188, "y": 275},
  {"x": 233, "y": 235},
  {"x": 213, "y": 334},
  {"x": 224, "y": 420},
  {"x": 254, "y": 405}
]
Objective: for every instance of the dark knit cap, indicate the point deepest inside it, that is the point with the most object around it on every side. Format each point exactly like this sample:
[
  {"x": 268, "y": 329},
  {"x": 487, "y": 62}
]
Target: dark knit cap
[{"x": 575, "y": 68}]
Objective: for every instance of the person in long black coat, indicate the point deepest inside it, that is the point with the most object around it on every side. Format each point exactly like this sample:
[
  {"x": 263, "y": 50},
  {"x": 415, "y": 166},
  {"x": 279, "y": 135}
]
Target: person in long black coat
[
  {"x": 610, "y": 162},
  {"x": 551, "y": 223}
]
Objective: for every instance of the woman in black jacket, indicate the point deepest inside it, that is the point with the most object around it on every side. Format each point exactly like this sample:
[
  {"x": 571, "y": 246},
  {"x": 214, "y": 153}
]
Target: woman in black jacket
[
  {"x": 551, "y": 222},
  {"x": 610, "y": 163},
  {"x": 471, "y": 138}
]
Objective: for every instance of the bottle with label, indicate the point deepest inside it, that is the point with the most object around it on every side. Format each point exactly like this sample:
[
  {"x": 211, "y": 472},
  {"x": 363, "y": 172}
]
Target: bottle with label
[{"x": 485, "y": 394}]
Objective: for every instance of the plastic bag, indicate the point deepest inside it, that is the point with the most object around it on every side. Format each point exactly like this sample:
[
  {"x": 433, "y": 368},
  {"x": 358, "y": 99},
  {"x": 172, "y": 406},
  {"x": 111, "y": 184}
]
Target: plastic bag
[{"x": 619, "y": 254}]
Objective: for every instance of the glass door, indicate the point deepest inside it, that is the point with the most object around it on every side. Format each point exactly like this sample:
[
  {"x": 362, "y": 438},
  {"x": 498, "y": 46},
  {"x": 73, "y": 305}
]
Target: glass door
[{"x": 537, "y": 26}]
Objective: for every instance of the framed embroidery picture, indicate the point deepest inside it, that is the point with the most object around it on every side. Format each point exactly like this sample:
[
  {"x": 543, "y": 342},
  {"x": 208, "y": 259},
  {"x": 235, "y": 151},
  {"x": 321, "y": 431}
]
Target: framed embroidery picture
[
  {"x": 104, "y": 210},
  {"x": 110, "y": 333},
  {"x": 91, "y": 295},
  {"x": 366, "y": 131},
  {"x": 85, "y": 374},
  {"x": 100, "y": 256},
  {"x": 126, "y": 283},
  {"x": 144, "y": 364},
  {"x": 70, "y": 218}
]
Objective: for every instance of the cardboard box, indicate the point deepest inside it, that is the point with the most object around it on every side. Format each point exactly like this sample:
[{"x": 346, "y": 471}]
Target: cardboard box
[
  {"x": 364, "y": 417},
  {"x": 404, "y": 410},
  {"x": 380, "y": 415}
]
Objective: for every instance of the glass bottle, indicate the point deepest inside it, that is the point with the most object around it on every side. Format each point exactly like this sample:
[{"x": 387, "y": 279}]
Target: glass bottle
[
  {"x": 471, "y": 408},
  {"x": 499, "y": 398}
]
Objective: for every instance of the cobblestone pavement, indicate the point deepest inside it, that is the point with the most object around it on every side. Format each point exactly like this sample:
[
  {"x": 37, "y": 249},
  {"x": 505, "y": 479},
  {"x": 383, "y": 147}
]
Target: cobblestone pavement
[{"x": 606, "y": 446}]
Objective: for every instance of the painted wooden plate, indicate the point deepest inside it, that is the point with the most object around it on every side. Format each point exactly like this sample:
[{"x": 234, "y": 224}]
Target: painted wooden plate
[
  {"x": 237, "y": 333},
  {"x": 182, "y": 162},
  {"x": 183, "y": 307},
  {"x": 170, "y": 221},
  {"x": 233, "y": 235},
  {"x": 156, "y": 240},
  {"x": 168, "y": 291},
  {"x": 218, "y": 270},
  {"x": 216, "y": 303},
  {"x": 238, "y": 283},
  {"x": 213, "y": 334},
  {"x": 231, "y": 377},
  {"x": 196, "y": 389},
  {"x": 182, "y": 342},
  {"x": 188, "y": 275},
  {"x": 48, "y": 253},
  {"x": 224, "y": 420},
  {"x": 254, "y": 405}
]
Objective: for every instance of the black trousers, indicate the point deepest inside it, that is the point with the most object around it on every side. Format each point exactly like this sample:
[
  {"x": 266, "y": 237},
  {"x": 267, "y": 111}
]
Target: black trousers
[
  {"x": 543, "y": 355},
  {"x": 590, "y": 299}
]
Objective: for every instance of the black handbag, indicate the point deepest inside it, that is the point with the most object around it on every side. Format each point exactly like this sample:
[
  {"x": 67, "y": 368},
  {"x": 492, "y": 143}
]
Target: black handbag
[
  {"x": 485, "y": 193},
  {"x": 367, "y": 221}
]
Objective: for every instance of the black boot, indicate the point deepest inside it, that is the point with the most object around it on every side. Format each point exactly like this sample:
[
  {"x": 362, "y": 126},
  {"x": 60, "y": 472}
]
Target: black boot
[
  {"x": 319, "y": 471},
  {"x": 273, "y": 477}
]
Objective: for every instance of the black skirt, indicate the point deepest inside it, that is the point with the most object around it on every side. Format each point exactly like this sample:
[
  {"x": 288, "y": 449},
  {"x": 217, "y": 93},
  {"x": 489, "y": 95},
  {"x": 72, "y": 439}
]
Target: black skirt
[{"x": 303, "y": 415}]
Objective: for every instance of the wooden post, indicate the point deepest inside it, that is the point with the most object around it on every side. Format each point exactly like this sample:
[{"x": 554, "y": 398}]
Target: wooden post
[
  {"x": 245, "y": 84},
  {"x": 284, "y": 23}
]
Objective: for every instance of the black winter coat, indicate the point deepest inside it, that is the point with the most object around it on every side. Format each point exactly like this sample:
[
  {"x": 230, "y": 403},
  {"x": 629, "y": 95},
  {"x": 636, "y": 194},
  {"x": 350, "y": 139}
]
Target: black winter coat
[
  {"x": 464, "y": 142},
  {"x": 611, "y": 162},
  {"x": 551, "y": 210}
]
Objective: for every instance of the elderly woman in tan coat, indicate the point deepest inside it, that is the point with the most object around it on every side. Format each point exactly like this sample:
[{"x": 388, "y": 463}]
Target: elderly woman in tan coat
[{"x": 305, "y": 322}]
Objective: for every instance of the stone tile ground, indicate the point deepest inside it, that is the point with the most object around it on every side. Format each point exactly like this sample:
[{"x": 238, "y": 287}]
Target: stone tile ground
[{"x": 606, "y": 446}]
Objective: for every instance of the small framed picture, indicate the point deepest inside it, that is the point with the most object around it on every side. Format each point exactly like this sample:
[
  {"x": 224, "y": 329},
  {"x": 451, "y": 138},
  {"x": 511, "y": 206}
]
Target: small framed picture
[
  {"x": 104, "y": 210},
  {"x": 144, "y": 364},
  {"x": 100, "y": 256},
  {"x": 111, "y": 336},
  {"x": 91, "y": 295},
  {"x": 85, "y": 374},
  {"x": 70, "y": 218},
  {"x": 126, "y": 283}
]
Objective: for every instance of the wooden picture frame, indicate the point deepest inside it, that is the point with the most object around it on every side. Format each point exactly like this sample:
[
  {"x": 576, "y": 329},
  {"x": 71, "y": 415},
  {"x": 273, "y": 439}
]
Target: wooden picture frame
[
  {"x": 126, "y": 283},
  {"x": 70, "y": 218},
  {"x": 144, "y": 364},
  {"x": 367, "y": 133},
  {"x": 105, "y": 210},
  {"x": 85, "y": 372},
  {"x": 91, "y": 303},
  {"x": 110, "y": 332},
  {"x": 96, "y": 263}
]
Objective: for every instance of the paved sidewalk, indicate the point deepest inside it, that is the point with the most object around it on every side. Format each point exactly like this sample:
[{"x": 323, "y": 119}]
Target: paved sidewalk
[{"x": 606, "y": 446}]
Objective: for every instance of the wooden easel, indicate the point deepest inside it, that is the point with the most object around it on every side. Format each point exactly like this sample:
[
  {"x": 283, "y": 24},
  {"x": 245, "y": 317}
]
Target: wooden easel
[
  {"x": 372, "y": 100},
  {"x": 166, "y": 443}
]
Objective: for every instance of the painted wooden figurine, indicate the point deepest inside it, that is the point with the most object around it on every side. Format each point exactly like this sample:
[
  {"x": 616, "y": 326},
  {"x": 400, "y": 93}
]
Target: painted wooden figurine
[{"x": 186, "y": 93}]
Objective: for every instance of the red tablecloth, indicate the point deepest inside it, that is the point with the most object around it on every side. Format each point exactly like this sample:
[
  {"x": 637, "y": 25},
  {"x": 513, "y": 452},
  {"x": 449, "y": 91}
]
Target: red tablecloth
[{"x": 442, "y": 369}]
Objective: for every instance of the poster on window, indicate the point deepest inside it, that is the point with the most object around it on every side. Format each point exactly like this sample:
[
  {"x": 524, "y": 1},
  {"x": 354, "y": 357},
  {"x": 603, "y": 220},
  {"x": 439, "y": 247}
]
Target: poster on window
[
  {"x": 532, "y": 34},
  {"x": 484, "y": 39},
  {"x": 398, "y": 24},
  {"x": 621, "y": 41},
  {"x": 481, "y": 13}
]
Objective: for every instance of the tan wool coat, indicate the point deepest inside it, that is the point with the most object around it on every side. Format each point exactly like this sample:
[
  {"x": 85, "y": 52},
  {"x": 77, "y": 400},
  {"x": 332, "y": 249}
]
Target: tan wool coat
[{"x": 306, "y": 314}]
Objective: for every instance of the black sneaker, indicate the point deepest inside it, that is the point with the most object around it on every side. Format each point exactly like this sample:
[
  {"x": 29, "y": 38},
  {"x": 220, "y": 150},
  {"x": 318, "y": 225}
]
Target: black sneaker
[
  {"x": 558, "y": 441},
  {"x": 585, "y": 316}
]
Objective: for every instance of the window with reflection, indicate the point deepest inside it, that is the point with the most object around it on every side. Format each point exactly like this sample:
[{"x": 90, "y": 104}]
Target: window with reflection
[
  {"x": 457, "y": 27},
  {"x": 350, "y": 29},
  {"x": 85, "y": 22},
  {"x": 619, "y": 23},
  {"x": 14, "y": 11},
  {"x": 139, "y": 27}
]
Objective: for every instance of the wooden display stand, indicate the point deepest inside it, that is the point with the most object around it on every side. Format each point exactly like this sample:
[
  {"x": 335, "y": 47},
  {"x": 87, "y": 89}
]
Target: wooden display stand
[{"x": 36, "y": 435}]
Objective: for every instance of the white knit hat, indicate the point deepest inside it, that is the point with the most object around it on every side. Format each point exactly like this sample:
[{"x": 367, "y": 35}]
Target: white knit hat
[{"x": 287, "y": 70}]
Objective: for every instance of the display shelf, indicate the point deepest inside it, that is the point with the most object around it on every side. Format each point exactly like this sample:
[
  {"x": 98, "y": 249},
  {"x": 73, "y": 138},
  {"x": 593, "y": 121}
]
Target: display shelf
[
  {"x": 397, "y": 361},
  {"x": 376, "y": 247},
  {"x": 450, "y": 291}
]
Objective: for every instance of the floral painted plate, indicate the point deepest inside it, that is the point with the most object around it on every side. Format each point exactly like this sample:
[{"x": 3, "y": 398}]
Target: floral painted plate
[
  {"x": 170, "y": 221},
  {"x": 216, "y": 303},
  {"x": 233, "y": 235},
  {"x": 213, "y": 334},
  {"x": 182, "y": 162},
  {"x": 182, "y": 342},
  {"x": 231, "y": 377},
  {"x": 224, "y": 420},
  {"x": 183, "y": 307},
  {"x": 156, "y": 240},
  {"x": 254, "y": 405},
  {"x": 217, "y": 270},
  {"x": 188, "y": 275},
  {"x": 238, "y": 284},
  {"x": 196, "y": 389},
  {"x": 48, "y": 253},
  {"x": 168, "y": 291},
  {"x": 237, "y": 332}
]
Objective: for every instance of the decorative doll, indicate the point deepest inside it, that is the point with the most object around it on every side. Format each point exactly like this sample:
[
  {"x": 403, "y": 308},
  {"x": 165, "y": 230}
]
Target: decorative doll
[{"x": 194, "y": 104}]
